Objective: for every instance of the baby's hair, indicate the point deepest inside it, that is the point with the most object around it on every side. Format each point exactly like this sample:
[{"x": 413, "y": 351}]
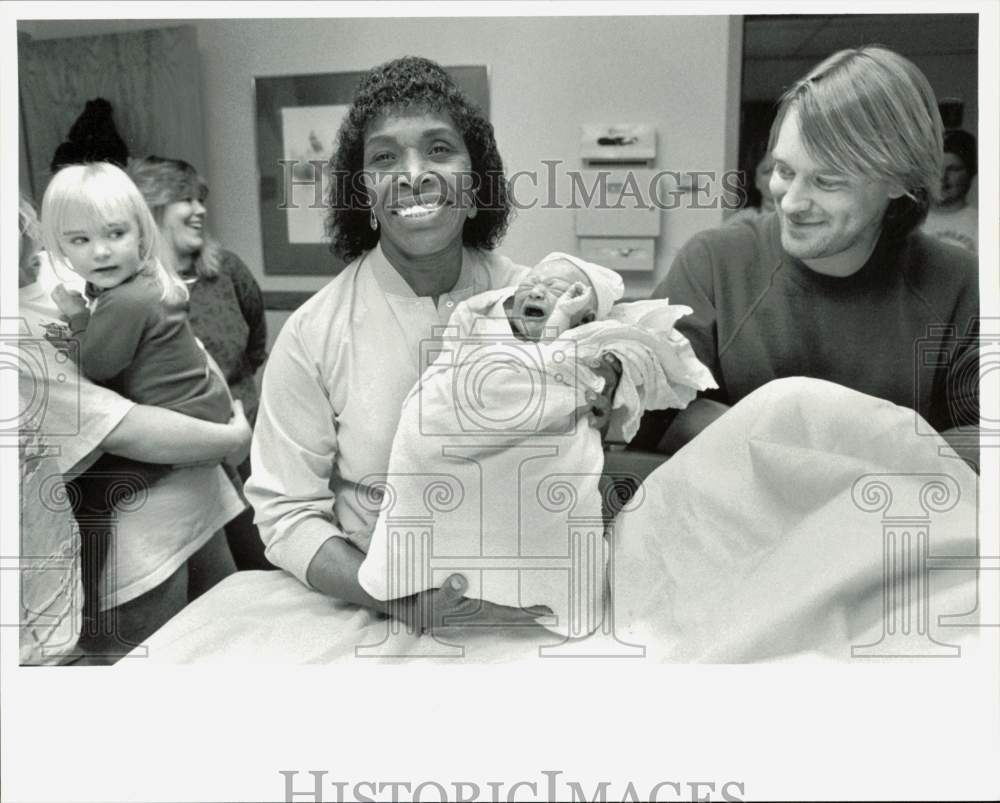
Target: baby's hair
[{"x": 104, "y": 194}]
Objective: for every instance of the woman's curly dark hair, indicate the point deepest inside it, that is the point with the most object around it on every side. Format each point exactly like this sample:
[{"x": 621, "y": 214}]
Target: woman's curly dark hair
[{"x": 415, "y": 84}]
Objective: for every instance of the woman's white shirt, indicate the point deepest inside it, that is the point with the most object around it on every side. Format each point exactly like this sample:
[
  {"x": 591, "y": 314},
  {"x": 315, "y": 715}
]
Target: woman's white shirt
[
  {"x": 181, "y": 512},
  {"x": 332, "y": 392}
]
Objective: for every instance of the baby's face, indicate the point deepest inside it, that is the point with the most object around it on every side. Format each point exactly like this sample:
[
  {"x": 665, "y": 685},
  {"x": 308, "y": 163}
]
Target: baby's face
[{"x": 538, "y": 292}]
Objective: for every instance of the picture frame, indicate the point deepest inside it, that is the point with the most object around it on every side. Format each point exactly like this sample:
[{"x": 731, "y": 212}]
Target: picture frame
[{"x": 297, "y": 118}]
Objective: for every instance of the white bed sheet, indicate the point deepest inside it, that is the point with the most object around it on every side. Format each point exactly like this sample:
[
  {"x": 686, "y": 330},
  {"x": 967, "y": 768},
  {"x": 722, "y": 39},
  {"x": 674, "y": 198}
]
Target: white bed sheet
[{"x": 765, "y": 539}]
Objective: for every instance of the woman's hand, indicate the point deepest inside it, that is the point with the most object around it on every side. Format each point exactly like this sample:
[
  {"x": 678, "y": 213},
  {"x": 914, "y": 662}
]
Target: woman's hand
[
  {"x": 241, "y": 433},
  {"x": 446, "y": 607},
  {"x": 237, "y": 435}
]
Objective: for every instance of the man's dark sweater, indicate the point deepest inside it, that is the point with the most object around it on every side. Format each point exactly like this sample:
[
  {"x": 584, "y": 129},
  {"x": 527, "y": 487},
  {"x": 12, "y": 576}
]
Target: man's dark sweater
[{"x": 902, "y": 328}]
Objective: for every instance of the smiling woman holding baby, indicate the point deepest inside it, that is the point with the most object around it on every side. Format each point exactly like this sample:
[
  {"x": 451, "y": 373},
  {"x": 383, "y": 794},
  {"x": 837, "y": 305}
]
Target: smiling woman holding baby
[
  {"x": 418, "y": 241},
  {"x": 418, "y": 202}
]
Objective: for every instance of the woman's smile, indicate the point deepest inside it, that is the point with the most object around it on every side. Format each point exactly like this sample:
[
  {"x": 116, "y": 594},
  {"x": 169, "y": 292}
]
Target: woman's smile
[
  {"x": 196, "y": 223},
  {"x": 420, "y": 211},
  {"x": 183, "y": 225}
]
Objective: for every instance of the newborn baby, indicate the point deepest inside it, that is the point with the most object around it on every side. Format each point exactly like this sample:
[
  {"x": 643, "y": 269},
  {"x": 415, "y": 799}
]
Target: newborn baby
[
  {"x": 493, "y": 473},
  {"x": 560, "y": 293},
  {"x": 556, "y": 295}
]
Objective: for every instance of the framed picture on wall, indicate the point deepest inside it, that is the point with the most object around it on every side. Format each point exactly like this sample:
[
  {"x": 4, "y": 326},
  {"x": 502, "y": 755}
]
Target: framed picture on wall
[{"x": 297, "y": 121}]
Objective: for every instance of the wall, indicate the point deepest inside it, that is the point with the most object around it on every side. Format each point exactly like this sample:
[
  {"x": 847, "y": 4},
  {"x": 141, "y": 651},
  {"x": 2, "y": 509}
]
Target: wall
[
  {"x": 547, "y": 76},
  {"x": 150, "y": 77}
]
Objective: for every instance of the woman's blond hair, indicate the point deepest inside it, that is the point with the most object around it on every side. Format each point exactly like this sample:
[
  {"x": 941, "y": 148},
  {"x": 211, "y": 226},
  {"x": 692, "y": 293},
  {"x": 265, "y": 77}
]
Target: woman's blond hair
[{"x": 870, "y": 112}]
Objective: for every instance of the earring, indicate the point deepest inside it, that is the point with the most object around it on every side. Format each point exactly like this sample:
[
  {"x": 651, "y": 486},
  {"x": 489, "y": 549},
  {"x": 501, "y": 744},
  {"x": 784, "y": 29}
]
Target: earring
[
  {"x": 473, "y": 211},
  {"x": 374, "y": 221}
]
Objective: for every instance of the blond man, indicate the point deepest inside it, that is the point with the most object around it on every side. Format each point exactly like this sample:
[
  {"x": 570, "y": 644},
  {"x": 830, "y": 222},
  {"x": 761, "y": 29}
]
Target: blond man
[{"x": 837, "y": 283}]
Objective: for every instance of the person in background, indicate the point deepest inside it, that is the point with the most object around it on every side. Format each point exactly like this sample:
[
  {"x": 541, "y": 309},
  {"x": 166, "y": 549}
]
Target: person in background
[
  {"x": 92, "y": 138},
  {"x": 840, "y": 284},
  {"x": 952, "y": 218},
  {"x": 759, "y": 166},
  {"x": 226, "y": 306}
]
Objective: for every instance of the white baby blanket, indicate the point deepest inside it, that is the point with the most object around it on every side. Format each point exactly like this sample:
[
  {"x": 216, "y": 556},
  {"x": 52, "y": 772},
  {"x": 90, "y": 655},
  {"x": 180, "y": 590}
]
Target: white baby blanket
[{"x": 494, "y": 471}]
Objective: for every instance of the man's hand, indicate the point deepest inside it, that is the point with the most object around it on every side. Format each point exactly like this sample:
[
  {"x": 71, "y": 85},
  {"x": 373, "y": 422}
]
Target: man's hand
[{"x": 610, "y": 369}]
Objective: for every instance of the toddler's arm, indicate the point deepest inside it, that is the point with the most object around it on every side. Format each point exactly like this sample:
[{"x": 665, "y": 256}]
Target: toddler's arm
[
  {"x": 109, "y": 334},
  {"x": 73, "y": 306}
]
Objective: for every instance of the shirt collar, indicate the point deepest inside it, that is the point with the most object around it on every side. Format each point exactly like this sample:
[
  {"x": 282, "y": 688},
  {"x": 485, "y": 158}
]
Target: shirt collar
[
  {"x": 473, "y": 277},
  {"x": 880, "y": 267}
]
